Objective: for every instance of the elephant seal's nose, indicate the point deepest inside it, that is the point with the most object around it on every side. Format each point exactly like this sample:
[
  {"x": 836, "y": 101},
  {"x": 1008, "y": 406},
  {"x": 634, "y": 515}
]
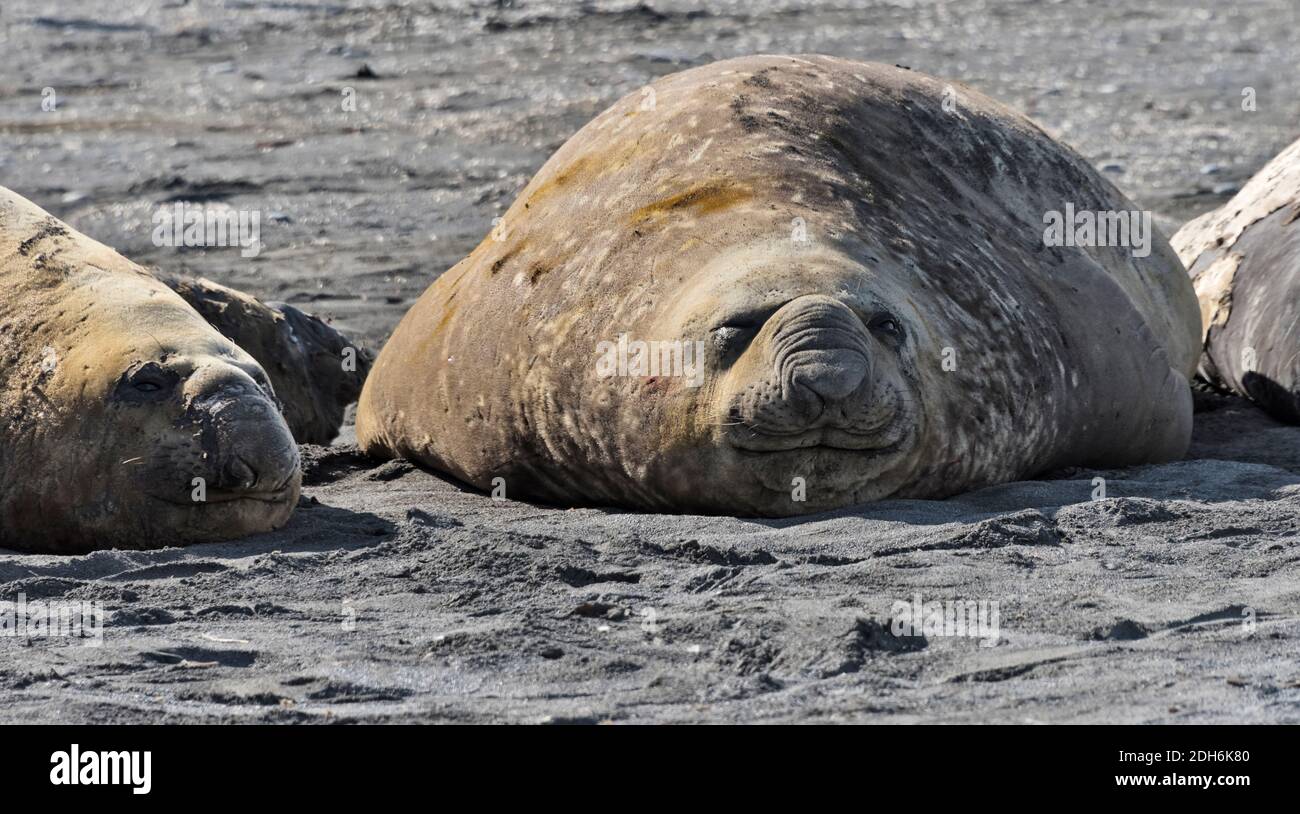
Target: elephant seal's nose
[
  {"x": 243, "y": 432},
  {"x": 239, "y": 474},
  {"x": 830, "y": 374},
  {"x": 822, "y": 351}
]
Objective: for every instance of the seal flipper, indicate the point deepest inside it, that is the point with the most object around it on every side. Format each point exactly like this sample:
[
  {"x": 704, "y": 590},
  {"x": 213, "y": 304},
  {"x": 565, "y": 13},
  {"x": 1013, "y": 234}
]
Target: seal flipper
[{"x": 315, "y": 370}]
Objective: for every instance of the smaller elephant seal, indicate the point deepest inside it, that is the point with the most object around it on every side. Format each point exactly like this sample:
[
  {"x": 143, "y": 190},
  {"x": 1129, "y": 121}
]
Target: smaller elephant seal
[
  {"x": 1244, "y": 260},
  {"x": 777, "y": 285},
  {"x": 128, "y": 421},
  {"x": 315, "y": 370}
]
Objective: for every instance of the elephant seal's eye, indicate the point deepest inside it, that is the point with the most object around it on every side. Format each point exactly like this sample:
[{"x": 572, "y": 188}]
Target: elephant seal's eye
[
  {"x": 730, "y": 340},
  {"x": 146, "y": 382},
  {"x": 725, "y": 335},
  {"x": 887, "y": 325}
]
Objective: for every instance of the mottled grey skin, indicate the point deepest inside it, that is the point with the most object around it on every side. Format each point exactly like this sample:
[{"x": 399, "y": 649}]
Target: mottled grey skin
[
  {"x": 316, "y": 371},
  {"x": 675, "y": 215},
  {"x": 1244, "y": 259},
  {"x": 115, "y": 395}
]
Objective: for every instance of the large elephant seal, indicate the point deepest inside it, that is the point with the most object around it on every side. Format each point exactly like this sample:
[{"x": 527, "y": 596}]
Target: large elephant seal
[
  {"x": 1244, "y": 258},
  {"x": 859, "y": 252},
  {"x": 127, "y": 420}
]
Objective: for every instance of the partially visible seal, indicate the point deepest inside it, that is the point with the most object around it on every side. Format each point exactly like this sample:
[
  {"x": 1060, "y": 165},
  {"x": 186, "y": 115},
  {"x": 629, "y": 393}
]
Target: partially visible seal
[
  {"x": 127, "y": 420},
  {"x": 856, "y": 256},
  {"x": 315, "y": 370},
  {"x": 1244, "y": 259}
]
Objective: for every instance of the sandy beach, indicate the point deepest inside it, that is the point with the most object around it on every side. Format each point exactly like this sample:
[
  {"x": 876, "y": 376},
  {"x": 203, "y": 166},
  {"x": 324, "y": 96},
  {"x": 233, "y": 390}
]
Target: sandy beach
[{"x": 398, "y": 595}]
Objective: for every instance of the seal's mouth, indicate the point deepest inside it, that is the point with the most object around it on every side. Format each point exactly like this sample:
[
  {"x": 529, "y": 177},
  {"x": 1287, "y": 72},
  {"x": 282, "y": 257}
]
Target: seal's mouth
[
  {"x": 220, "y": 498},
  {"x": 279, "y": 496},
  {"x": 878, "y": 432},
  {"x": 824, "y": 440}
]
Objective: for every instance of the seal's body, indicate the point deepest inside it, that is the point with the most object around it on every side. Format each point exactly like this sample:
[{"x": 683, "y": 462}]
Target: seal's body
[
  {"x": 1244, "y": 259},
  {"x": 127, "y": 421},
  {"x": 856, "y": 252}
]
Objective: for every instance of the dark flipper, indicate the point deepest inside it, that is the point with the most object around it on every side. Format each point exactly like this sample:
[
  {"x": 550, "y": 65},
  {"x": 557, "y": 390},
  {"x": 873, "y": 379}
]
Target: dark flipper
[{"x": 315, "y": 370}]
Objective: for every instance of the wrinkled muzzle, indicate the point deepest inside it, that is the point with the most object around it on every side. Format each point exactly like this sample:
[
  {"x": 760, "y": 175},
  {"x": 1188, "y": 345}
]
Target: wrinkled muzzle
[
  {"x": 810, "y": 369},
  {"x": 247, "y": 447},
  {"x": 822, "y": 357}
]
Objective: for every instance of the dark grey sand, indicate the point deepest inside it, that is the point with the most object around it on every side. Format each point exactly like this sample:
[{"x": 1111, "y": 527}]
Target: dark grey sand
[{"x": 395, "y": 595}]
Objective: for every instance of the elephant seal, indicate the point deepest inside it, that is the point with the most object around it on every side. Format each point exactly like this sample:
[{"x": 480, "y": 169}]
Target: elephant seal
[
  {"x": 1244, "y": 259},
  {"x": 315, "y": 370},
  {"x": 128, "y": 421},
  {"x": 855, "y": 253}
]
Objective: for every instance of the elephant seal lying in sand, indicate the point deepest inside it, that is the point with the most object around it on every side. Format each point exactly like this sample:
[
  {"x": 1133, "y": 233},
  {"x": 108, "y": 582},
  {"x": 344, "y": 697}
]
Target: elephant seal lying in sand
[
  {"x": 128, "y": 421},
  {"x": 1244, "y": 258},
  {"x": 856, "y": 256}
]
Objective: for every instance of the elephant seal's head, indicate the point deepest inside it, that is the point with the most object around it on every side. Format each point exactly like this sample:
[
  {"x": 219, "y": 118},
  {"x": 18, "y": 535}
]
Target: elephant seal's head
[
  {"x": 144, "y": 427},
  {"x": 810, "y": 396}
]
